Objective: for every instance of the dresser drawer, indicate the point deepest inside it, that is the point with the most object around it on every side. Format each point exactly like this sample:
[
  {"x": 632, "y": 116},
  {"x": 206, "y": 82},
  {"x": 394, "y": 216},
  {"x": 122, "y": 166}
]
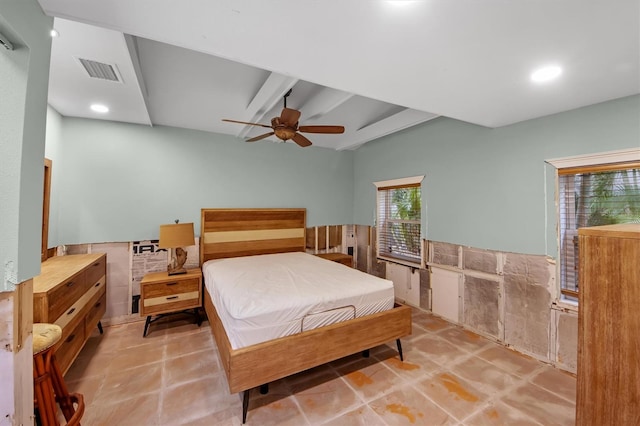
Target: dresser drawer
[
  {"x": 98, "y": 308},
  {"x": 170, "y": 296},
  {"x": 96, "y": 271},
  {"x": 64, "y": 295},
  {"x": 69, "y": 346}
]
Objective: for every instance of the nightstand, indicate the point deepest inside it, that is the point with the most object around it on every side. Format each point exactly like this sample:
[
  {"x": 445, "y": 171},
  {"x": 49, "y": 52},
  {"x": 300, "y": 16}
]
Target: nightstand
[
  {"x": 162, "y": 294},
  {"x": 345, "y": 259}
]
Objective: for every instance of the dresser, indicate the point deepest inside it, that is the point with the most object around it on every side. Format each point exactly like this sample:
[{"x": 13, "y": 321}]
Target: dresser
[
  {"x": 162, "y": 294},
  {"x": 608, "y": 383},
  {"x": 71, "y": 291}
]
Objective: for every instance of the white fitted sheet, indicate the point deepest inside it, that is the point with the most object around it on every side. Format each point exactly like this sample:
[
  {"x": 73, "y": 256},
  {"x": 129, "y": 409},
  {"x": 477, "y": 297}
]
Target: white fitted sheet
[{"x": 261, "y": 298}]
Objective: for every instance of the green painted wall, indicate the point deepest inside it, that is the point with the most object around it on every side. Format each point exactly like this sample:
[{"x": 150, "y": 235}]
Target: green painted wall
[
  {"x": 119, "y": 182},
  {"x": 24, "y": 75},
  {"x": 490, "y": 188}
]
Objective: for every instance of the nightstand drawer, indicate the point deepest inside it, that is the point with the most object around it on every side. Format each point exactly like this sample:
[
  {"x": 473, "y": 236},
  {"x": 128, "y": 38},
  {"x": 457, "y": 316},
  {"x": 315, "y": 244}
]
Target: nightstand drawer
[{"x": 172, "y": 295}]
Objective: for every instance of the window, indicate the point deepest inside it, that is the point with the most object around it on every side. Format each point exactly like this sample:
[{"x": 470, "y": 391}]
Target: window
[
  {"x": 592, "y": 195},
  {"x": 398, "y": 220}
]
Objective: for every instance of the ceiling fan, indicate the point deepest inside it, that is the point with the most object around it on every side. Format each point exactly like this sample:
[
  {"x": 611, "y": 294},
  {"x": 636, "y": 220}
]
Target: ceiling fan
[{"x": 286, "y": 127}]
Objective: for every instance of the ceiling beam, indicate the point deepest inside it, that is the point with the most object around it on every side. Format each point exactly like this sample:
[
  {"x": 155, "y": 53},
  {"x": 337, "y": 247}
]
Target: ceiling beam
[
  {"x": 132, "y": 49},
  {"x": 394, "y": 123},
  {"x": 323, "y": 102},
  {"x": 270, "y": 93}
]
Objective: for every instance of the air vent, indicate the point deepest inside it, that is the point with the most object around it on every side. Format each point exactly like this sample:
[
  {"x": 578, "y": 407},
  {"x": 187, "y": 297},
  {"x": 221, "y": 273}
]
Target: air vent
[{"x": 100, "y": 70}]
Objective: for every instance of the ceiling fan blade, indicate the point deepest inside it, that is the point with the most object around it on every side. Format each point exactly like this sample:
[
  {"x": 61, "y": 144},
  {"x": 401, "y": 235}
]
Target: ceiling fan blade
[
  {"x": 301, "y": 140},
  {"x": 257, "y": 138},
  {"x": 244, "y": 122},
  {"x": 321, "y": 129},
  {"x": 289, "y": 117}
]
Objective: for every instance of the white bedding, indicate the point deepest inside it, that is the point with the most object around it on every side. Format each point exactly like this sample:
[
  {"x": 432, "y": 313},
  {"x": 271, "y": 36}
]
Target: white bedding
[{"x": 260, "y": 298}]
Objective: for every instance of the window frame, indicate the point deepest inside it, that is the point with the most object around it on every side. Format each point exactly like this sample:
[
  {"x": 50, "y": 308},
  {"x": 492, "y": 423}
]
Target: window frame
[
  {"x": 413, "y": 181},
  {"x": 563, "y": 166}
]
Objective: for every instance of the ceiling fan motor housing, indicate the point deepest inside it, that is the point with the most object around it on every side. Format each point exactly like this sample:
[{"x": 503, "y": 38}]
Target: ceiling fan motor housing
[{"x": 282, "y": 131}]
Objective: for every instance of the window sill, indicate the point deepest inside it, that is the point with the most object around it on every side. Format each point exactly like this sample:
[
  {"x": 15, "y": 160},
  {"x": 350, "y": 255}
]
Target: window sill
[
  {"x": 400, "y": 261},
  {"x": 566, "y": 305}
]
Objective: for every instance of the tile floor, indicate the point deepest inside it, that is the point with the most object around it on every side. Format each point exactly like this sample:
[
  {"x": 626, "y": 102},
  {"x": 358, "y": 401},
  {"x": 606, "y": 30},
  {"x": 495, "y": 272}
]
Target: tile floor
[{"x": 450, "y": 376}]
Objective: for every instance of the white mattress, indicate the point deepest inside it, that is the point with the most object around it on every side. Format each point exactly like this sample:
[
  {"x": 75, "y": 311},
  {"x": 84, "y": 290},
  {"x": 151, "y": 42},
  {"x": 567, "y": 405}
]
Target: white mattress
[{"x": 261, "y": 298}]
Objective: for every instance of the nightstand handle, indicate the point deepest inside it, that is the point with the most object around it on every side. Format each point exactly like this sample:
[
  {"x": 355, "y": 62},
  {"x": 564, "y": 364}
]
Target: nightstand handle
[
  {"x": 172, "y": 297},
  {"x": 173, "y": 283}
]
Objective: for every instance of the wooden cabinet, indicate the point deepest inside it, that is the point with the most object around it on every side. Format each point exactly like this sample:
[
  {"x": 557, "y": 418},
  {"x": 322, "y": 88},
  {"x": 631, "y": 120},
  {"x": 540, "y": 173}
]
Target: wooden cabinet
[
  {"x": 71, "y": 291},
  {"x": 608, "y": 385},
  {"x": 161, "y": 293}
]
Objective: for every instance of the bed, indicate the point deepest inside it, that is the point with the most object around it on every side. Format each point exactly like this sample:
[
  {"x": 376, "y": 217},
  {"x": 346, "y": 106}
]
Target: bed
[{"x": 232, "y": 233}]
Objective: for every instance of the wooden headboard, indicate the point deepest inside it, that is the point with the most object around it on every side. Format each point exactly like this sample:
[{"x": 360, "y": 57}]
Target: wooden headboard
[{"x": 246, "y": 232}]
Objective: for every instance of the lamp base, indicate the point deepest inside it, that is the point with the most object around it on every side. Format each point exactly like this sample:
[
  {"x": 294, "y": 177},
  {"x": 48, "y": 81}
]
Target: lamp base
[
  {"x": 176, "y": 271},
  {"x": 178, "y": 259}
]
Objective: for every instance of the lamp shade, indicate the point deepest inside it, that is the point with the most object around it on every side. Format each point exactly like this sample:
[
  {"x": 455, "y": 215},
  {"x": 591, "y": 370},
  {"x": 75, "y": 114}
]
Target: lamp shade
[{"x": 176, "y": 235}]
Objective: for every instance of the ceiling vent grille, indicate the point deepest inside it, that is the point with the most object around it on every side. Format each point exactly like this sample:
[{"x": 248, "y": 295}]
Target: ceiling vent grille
[{"x": 100, "y": 70}]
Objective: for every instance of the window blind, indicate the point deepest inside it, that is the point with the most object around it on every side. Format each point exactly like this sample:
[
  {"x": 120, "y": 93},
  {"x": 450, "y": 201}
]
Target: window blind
[
  {"x": 398, "y": 224},
  {"x": 592, "y": 196}
]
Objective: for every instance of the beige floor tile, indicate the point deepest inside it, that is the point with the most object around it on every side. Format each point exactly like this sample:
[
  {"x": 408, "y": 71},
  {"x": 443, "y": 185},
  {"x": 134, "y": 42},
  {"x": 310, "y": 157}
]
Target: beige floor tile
[
  {"x": 136, "y": 356},
  {"x": 484, "y": 375},
  {"x": 88, "y": 387},
  {"x": 438, "y": 350},
  {"x": 127, "y": 383},
  {"x": 194, "y": 400},
  {"x": 190, "y": 367},
  {"x": 430, "y": 322},
  {"x": 541, "y": 405},
  {"x": 283, "y": 411},
  {"x": 500, "y": 415},
  {"x": 464, "y": 339},
  {"x": 136, "y": 411},
  {"x": 322, "y": 394},
  {"x": 453, "y": 394},
  {"x": 192, "y": 342},
  {"x": 407, "y": 406},
  {"x": 414, "y": 367},
  {"x": 557, "y": 381},
  {"x": 370, "y": 380},
  {"x": 361, "y": 416},
  {"x": 511, "y": 361}
]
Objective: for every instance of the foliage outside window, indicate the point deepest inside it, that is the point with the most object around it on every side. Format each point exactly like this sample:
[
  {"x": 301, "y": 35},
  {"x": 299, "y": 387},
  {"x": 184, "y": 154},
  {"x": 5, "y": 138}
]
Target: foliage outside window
[
  {"x": 398, "y": 220},
  {"x": 593, "y": 196}
]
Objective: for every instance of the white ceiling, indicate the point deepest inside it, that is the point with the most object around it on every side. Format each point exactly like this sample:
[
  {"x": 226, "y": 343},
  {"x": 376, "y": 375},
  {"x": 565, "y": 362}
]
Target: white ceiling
[{"x": 374, "y": 66}]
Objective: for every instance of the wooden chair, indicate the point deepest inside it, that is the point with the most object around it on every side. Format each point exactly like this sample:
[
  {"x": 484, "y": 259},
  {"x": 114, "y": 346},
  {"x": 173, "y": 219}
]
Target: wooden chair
[{"x": 49, "y": 388}]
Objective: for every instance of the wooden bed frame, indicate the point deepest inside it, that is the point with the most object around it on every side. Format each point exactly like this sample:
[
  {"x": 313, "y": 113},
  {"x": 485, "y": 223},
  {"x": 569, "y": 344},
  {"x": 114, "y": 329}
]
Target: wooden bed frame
[{"x": 245, "y": 232}]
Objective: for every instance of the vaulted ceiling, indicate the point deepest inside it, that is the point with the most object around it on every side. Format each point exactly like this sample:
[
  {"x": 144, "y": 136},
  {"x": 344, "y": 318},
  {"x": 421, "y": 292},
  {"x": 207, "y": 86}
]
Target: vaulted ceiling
[{"x": 374, "y": 66}]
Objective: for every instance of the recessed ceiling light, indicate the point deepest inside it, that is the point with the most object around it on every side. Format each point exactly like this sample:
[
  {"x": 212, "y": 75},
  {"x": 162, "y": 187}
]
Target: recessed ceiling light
[
  {"x": 544, "y": 74},
  {"x": 99, "y": 108},
  {"x": 54, "y": 33}
]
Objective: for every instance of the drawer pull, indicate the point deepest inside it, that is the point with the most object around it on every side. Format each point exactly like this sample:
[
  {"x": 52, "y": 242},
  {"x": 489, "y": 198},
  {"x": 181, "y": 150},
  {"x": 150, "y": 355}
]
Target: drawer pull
[
  {"x": 70, "y": 338},
  {"x": 96, "y": 264},
  {"x": 70, "y": 283},
  {"x": 97, "y": 284},
  {"x": 173, "y": 283},
  {"x": 71, "y": 311},
  {"x": 98, "y": 304},
  {"x": 172, "y": 297}
]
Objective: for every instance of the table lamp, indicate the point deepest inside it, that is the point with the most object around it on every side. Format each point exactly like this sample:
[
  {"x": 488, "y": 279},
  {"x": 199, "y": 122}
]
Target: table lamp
[{"x": 175, "y": 237}]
